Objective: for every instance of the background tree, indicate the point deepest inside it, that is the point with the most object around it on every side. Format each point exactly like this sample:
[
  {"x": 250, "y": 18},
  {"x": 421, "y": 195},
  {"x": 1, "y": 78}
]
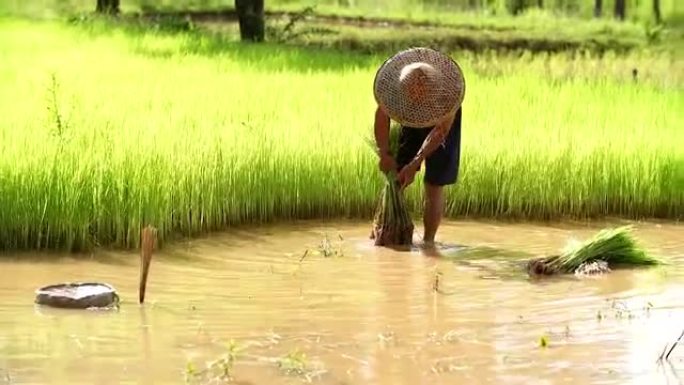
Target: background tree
[
  {"x": 110, "y": 7},
  {"x": 598, "y": 8},
  {"x": 251, "y": 19},
  {"x": 516, "y": 7},
  {"x": 620, "y": 9},
  {"x": 656, "y": 11}
]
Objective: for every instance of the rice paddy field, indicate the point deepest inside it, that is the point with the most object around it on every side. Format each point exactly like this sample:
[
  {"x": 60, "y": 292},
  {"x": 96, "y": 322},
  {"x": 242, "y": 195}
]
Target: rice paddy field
[
  {"x": 252, "y": 162},
  {"x": 105, "y": 129}
]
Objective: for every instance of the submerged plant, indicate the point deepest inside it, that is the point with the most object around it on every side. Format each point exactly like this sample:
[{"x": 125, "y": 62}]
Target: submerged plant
[
  {"x": 297, "y": 363},
  {"x": 327, "y": 248},
  {"x": 294, "y": 362},
  {"x": 219, "y": 370}
]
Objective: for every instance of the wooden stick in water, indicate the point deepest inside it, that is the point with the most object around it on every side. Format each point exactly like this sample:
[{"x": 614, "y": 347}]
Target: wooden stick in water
[
  {"x": 147, "y": 244},
  {"x": 667, "y": 357}
]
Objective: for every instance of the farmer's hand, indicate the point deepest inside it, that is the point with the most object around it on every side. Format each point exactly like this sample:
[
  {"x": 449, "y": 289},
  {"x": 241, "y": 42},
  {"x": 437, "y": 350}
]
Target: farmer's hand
[
  {"x": 387, "y": 163},
  {"x": 407, "y": 174}
]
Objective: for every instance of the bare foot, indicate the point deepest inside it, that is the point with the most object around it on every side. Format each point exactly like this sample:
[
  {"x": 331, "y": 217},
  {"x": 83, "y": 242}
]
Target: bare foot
[
  {"x": 427, "y": 245},
  {"x": 429, "y": 249}
]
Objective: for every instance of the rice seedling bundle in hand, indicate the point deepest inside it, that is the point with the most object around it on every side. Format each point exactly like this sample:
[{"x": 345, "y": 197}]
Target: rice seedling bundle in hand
[
  {"x": 392, "y": 225},
  {"x": 615, "y": 247}
]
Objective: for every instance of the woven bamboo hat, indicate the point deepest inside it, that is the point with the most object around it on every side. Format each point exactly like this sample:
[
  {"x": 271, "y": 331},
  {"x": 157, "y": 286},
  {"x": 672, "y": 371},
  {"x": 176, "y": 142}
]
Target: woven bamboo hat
[{"x": 418, "y": 87}]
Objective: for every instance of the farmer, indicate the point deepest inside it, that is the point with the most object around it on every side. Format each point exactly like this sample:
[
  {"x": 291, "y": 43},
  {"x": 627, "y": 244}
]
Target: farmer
[{"x": 422, "y": 90}]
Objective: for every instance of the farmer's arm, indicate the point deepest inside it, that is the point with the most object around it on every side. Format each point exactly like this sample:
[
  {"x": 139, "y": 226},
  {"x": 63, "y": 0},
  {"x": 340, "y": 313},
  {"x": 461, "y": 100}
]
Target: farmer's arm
[
  {"x": 382, "y": 124},
  {"x": 434, "y": 139}
]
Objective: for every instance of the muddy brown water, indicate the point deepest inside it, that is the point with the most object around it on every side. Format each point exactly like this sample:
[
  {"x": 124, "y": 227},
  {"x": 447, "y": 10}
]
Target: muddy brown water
[{"x": 366, "y": 316}]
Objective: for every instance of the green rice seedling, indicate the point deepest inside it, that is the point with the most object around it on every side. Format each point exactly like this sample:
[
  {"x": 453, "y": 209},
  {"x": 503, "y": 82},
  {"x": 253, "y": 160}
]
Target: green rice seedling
[
  {"x": 295, "y": 362},
  {"x": 220, "y": 370},
  {"x": 615, "y": 246},
  {"x": 193, "y": 135}
]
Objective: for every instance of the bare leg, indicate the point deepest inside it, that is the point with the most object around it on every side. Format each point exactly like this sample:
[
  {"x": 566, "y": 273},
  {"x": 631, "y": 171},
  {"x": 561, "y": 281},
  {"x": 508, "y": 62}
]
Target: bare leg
[{"x": 434, "y": 206}]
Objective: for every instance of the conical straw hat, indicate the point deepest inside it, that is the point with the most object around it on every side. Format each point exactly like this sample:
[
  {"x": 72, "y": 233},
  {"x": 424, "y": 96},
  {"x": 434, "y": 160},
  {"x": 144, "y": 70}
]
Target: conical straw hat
[{"x": 418, "y": 87}]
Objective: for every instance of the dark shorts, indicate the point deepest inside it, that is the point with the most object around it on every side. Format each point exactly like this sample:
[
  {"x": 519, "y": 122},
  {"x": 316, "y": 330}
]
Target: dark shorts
[{"x": 442, "y": 166}]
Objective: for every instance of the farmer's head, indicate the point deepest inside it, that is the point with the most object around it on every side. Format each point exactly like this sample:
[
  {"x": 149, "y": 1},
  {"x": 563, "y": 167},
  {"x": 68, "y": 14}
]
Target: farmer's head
[{"x": 417, "y": 79}]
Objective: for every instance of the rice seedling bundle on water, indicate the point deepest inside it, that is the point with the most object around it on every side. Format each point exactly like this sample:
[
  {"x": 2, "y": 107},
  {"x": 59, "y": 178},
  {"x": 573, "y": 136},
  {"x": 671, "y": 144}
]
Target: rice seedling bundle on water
[{"x": 608, "y": 248}]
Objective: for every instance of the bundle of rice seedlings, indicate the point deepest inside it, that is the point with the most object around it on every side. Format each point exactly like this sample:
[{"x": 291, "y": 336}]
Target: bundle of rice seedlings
[
  {"x": 615, "y": 247},
  {"x": 392, "y": 224}
]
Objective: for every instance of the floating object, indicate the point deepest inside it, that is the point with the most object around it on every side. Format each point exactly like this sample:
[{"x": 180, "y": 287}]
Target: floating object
[
  {"x": 79, "y": 295},
  {"x": 595, "y": 256},
  {"x": 88, "y": 295}
]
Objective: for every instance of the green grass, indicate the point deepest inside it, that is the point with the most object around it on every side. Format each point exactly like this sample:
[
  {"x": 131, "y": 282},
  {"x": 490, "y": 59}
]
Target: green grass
[{"x": 189, "y": 134}]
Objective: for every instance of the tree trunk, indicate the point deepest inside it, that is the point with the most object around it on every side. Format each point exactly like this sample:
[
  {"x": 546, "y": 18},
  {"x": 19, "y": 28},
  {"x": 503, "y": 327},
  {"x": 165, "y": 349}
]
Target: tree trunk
[
  {"x": 620, "y": 9},
  {"x": 656, "y": 11},
  {"x": 517, "y": 7},
  {"x": 251, "y": 19},
  {"x": 110, "y": 7},
  {"x": 540, "y": 4},
  {"x": 598, "y": 8}
]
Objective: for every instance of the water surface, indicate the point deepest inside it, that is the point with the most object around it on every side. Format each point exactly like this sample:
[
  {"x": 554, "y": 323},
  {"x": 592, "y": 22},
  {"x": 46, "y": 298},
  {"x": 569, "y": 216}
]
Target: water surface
[{"x": 365, "y": 315}]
